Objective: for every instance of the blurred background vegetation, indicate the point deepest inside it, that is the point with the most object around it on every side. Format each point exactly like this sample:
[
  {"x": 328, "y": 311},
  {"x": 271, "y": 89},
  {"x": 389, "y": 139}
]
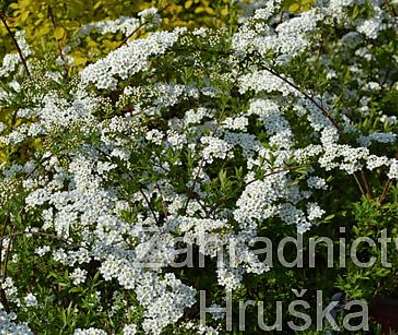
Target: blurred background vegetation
[{"x": 50, "y": 24}]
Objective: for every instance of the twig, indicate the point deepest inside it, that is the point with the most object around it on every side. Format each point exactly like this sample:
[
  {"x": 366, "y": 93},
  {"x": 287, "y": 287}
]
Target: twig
[
  {"x": 326, "y": 113},
  {"x": 5, "y": 224},
  {"x": 4, "y": 300},
  {"x": 142, "y": 24},
  {"x": 162, "y": 199},
  {"x": 280, "y": 170},
  {"x": 359, "y": 184},
  {"x": 21, "y": 56},
  {"x": 149, "y": 205},
  {"x": 320, "y": 107},
  {"x": 140, "y": 189},
  {"x": 11, "y": 240},
  {"x": 192, "y": 188},
  {"x": 366, "y": 184},
  {"x": 386, "y": 188},
  {"x": 391, "y": 7}
]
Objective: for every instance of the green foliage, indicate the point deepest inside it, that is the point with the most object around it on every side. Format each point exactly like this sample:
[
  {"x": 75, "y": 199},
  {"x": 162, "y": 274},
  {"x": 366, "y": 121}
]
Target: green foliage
[
  {"x": 50, "y": 24},
  {"x": 364, "y": 202}
]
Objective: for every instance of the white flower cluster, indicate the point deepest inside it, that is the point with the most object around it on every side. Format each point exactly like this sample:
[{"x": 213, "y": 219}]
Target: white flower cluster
[
  {"x": 371, "y": 27},
  {"x": 175, "y": 157},
  {"x": 377, "y": 137},
  {"x": 125, "y": 25},
  {"x": 10, "y": 327},
  {"x": 128, "y": 60},
  {"x": 31, "y": 300},
  {"x": 89, "y": 331},
  {"x": 11, "y": 61}
]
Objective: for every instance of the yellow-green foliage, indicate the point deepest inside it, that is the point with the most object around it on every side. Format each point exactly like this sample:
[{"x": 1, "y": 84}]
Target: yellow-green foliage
[
  {"x": 50, "y": 24},
  {"x": 296, "y": 6}
]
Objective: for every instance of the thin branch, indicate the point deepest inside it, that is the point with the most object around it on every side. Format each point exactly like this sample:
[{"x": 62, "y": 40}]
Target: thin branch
[
  {"x": 5, "y": 225},
  {"x": 366, "y": 184},
  {"x": 319, "y": 106},
  {"x": 140, "y": 188},
  {"x": 4, "y": 300},
  {"x": 10, "y": 242},
  {"x": 21, "y": 56},
  {"x": 192, "y": 188},
  {"x": 141, "y": 25},
  {"x": 149, "y": 205},
  {"x": 326, "y": 113},
  {"x": 386, "y": 188},
  {"x": 280, "y": 170},
  {"x": 162, "y": 199},
  {"x": 359, "y": 185},
  {"x": 125, "y": 40},
  {"x": 37, "y": 233}
]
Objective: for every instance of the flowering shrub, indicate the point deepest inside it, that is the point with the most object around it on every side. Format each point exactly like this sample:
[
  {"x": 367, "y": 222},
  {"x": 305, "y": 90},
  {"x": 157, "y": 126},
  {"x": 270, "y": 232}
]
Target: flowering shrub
[
  {"x": 202, "y": 139},
  {"x": 50, "y": 24}
]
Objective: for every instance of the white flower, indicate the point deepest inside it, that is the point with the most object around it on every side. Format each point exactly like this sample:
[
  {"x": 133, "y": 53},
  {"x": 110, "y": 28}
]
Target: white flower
[
  {"x": 317, "y": 183},
  {"x": 150, "y": 15},
  {"x": 238, "y": 123},
  {"x": 155, "y": 136},
  {"x": 89, "y": 331},
  {"x": 10, "y": 327},
  {"x": 215, "y": 148},
  {"x": 393, "y": 173},
  {"x": 372, "y": 26},
  {"x": 193, "y": 116},
  {"x": 377, "y": 137},
  {"x": 125, "y": 25},
  {"x": 130, "y": 329},
  {"x": 374, "y": 162},
  {"x": 314, "y": 211},
  {"x": 78, "y": 276},
  {"x": 41, "y": 251},
  {"x": 30, "y": 300},
  {"x": 128, "y": 60}
]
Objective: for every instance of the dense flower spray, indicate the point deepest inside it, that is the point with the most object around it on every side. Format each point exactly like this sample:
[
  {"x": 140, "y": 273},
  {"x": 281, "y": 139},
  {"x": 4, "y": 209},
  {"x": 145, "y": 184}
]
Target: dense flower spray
[{"x": 201, "y": 138}]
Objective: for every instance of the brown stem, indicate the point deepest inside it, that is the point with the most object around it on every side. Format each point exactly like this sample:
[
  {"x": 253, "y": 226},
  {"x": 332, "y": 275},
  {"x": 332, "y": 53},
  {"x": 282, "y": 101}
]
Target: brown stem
[
  {"x": 125, "y": 40},
  {"x": 5, "y": 224},
  {"x": 366, "y": 184},
  {"x": 149, "y": 205},
  {"x": 280, "y": 170},
  {"x": 7, "y": 255},
  {"x": 390, "y": 7},
  {"x": 320, "y": 107},
  {"x": 4, "y": 300},
  {"x": 143, "y": 24},
  {"x": 326, "y": 113},
  {"x": 21, "y": 56},
  {"x": 359, "y": 185},
  {"x": 386, "y": 188},
  {"x": 192, "y": 188}
]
